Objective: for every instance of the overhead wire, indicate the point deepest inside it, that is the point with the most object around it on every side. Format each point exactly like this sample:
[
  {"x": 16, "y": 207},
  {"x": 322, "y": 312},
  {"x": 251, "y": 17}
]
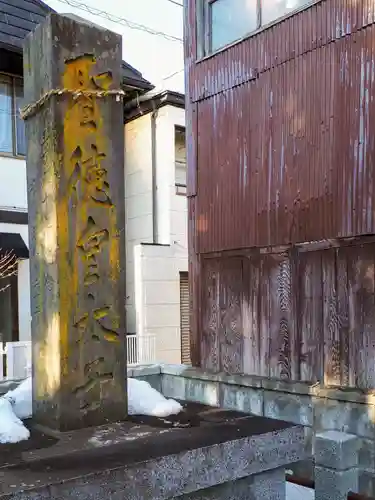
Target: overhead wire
[
  {"x": 125, "y": 22},
  {"x": 121, "y": 20},
  {"x": 175, "y": 3}
]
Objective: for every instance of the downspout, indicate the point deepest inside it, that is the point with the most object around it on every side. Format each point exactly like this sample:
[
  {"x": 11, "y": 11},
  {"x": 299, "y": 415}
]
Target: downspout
[{"x": 154, "y": 116}]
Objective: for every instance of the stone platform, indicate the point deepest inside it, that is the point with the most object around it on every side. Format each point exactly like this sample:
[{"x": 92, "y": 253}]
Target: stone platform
[{"x": 206, "y": 453}]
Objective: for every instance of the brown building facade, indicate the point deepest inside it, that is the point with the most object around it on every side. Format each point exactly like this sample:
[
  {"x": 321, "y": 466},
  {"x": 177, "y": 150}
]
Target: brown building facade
[{"x": 281, "y": 186}]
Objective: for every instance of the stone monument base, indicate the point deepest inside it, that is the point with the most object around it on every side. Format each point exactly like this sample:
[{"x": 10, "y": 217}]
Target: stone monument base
[{"x": 208, "y": 453}]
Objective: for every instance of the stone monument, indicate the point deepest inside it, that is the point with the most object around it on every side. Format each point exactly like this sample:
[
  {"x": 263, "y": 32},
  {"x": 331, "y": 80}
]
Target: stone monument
[{"x": 75, "y": 178}]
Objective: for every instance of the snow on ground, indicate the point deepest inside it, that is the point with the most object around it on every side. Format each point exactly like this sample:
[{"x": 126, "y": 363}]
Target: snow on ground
[
  {"x": 12, "y": 429},
  {"x": 144, "y": 400},
  {"x": 16, "y": 406},
  {"x": 296, "y": 492}
]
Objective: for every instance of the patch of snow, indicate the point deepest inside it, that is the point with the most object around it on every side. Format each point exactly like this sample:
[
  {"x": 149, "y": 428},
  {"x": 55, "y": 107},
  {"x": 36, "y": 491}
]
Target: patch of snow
[
  {"x": 12, "y": 429},
  {"x": 16, "y": 405},
  {"x": 144, "y": 400},
  {"x": 296, "y": 492},
  {"x": 21, "y": 399}
]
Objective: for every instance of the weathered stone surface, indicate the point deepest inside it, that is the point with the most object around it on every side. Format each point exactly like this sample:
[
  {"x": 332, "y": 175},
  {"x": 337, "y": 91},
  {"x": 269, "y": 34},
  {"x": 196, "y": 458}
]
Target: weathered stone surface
[
  {"x": 290, "y": 407},
  {"x": 196, "y": 373},
  {"x": 244, "y": 399},
  {"x": 284, "y": 386},
  {"x": 75, "y": 180},
  {"x": 190, "y": 389},
  {"x": 366, "y": 454},
  {"x": 265, "y": 486},
  {"x": 142, "y": 371},
  {"x": 336, "y": 450},
  {"x": 202, "y": 391},
  {"x": 334, "y": 485},
  {"x": 173, "y": 387},
  {"x": 343, "y": 416},
  {"x": 366, "y": 483},
  {"x": 127, "y": 461},
  {"x": 305, "y": 468},
  {"x": 153, "y": 380}
]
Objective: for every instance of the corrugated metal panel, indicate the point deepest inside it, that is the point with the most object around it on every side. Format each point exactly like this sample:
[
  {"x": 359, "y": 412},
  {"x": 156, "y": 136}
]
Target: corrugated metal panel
[
  {"x": 285, "y": 153},
  {"x": 292, "y": 315},
  {"x": 185, "y": 320},
  {"x": 323, "y": 23}
]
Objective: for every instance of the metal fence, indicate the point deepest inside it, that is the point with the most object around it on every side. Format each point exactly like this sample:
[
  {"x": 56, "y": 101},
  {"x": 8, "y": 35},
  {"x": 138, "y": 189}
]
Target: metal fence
[{"x": 15, "y": 357}]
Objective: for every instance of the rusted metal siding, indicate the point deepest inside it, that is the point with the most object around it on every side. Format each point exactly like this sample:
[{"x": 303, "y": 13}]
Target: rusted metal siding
[
  {"x": 285, "y": 152},
  {"x": 293, "y": 315}
]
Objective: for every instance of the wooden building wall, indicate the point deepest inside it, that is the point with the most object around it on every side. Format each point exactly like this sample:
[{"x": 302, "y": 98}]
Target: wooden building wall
[{"x": 281, "y": 152}]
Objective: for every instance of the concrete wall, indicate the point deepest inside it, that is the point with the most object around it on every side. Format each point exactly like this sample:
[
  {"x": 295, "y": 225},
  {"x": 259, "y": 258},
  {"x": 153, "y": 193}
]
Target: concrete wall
[{"x": 153, "y": 296}]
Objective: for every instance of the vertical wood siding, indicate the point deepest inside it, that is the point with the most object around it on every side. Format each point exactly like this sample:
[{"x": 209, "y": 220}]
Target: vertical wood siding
[{"x": 306, "y": 316}]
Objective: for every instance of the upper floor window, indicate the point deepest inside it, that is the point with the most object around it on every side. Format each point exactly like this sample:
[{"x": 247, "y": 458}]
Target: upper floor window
[
  {"x": 180, "y": 160},
  {"x": 12, "y": 127},
  {"x": 226, "y": 21}
]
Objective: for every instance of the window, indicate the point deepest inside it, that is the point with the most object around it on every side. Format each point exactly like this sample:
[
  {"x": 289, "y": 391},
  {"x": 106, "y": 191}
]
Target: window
[
  {"x": 226, "y": 21},
  {"x": 9, "y": 309},
  {"x": 180, "y": 161},
  {"x": 12, "y": 127}
]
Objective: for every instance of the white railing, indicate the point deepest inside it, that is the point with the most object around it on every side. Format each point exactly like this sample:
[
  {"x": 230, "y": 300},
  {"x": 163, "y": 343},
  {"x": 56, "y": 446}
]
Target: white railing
[
  {"x": 15, "y": 357},
  {"x": 141, "y": 349},
  {"x": 15, "y": 360}
]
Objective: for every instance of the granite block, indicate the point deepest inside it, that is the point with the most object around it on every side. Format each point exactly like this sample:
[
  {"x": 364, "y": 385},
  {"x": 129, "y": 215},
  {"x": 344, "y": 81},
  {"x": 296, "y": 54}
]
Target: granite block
[
  {"x": 173, "y": 386},
  {"x": 244, "y": 399},
  {"x": 366, "y": 454},
  {"x": 107, "y": 473},
  {"x": 366, "y": 483},
  {"x": 289, "y": 407},
  {"x": 343, "y": 416},
  {"x": 336, "y": 450},
  {"x": 143, "y": 370},
  {"x": 170, "y": 369},
  {"x": 285, "y": 386},
  {"x": 334, "y": 485},
  {"x": 202, "y": 391},
  {"x": 264, "y": 486}
]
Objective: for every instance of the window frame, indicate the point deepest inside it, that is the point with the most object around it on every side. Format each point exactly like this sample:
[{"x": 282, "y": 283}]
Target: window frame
[
  {"x": 204, "y": 26},
  {"x": 180, "y": 189},
  {"x": 14, "y": 154}
]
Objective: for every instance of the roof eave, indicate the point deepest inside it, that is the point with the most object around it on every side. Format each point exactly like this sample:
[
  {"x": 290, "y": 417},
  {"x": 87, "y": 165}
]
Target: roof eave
[
  {"x": 151, "y": 101},
  {"x": 141, "y": 85}
]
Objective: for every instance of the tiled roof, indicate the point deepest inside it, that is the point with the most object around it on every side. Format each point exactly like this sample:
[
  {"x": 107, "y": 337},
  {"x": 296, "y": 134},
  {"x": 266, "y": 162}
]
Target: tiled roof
[{"x": 19, "y": 17}]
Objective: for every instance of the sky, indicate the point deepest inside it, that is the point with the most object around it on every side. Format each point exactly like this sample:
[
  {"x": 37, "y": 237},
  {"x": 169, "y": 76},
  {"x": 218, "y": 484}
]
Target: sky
[{"x": 156, "y": 57}]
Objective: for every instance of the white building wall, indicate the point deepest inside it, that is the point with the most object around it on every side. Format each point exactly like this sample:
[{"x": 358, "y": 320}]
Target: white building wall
[
  {"x": 13, "y": 188},
  {"x": 158, "y": 297},
  {"x": 171, "y": 208},
  {"x": 156, "y": 268},
  {"x": 13, "y": 196},
  {"x": 138, "y": 201}
]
